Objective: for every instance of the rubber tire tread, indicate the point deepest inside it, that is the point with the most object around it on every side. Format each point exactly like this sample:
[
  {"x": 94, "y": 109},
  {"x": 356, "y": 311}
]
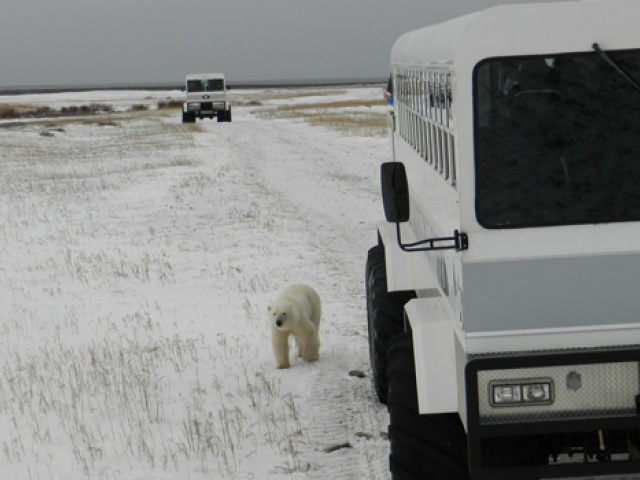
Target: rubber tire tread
[
  {"x": 429, "y": 447},
  {"x": 188, "y": 117},
  {"x": 385, "y": 317}
]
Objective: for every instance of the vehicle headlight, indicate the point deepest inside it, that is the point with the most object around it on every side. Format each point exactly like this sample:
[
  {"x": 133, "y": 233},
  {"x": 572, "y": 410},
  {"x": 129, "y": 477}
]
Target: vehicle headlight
[
  {"x": 517, "y": 392},
  {"x": 193, "y": 106}
]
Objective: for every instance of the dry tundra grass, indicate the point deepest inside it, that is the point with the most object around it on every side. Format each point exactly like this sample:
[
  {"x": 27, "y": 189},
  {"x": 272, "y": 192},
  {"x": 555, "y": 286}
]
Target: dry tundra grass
[
  {"x": 16, "y": 111},
  {"x": 90, "y": 372},
  {"x": 352, "y": 117},
  {"x": 89, "y": 375}
]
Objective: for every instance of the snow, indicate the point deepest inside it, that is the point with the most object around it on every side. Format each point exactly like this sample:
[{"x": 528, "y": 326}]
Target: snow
[
  {"x": 120, "y": 100},
  {"x": 139, "y": 258}
]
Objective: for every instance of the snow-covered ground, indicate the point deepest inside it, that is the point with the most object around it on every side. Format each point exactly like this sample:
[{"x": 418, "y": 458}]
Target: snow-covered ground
[{"x": 139, "y": 256}]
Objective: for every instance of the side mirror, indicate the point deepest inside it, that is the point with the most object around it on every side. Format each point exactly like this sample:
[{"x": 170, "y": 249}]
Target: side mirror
[
  {"x": 395, "y": 192},
  {"x": 395, "y": 198}
]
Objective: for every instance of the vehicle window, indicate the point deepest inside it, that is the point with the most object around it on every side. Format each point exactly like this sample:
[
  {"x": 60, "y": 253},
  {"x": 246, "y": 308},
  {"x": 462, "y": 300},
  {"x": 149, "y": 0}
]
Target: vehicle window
[
  {"x": 215, "y": 85},
  {"x": 195, "y": 86},
  {"x": 557, "y": 140},
  {"x": 208, "y": 85}
]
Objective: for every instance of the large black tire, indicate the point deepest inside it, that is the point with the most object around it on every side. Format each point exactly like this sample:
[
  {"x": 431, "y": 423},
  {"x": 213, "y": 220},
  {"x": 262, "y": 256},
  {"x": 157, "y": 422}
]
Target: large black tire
[
  {"x": 224, "y": 116},
  {"x": 434, "y": 446},
  {"x": 385, "y": 317},
  {"x": 424, "y": 447},
  {"x": 188, "y": 117}
]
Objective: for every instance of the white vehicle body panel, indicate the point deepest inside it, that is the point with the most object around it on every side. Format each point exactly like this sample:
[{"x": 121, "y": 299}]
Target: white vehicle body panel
[
  {"x": 433, "y": 337},
  {"x": 517, "y": 290},
  {"x": 209, "y": 101}
]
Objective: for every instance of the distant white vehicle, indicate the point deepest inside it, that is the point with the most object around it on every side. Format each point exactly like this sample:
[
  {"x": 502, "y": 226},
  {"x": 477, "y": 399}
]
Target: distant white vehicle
[
  {"x": 206, "y": 98},
  {"x": 503, "y": 296}
]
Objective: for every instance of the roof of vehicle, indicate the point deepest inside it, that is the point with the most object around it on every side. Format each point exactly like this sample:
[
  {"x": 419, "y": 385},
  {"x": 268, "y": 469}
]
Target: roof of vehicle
[
  {"x": 199, "y": 76},
  {"x": 524, "y": 29}
]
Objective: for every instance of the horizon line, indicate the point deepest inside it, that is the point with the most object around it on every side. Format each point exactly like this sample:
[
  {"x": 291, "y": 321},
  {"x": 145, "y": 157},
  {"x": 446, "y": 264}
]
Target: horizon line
[{"x": 241, "y": 84}]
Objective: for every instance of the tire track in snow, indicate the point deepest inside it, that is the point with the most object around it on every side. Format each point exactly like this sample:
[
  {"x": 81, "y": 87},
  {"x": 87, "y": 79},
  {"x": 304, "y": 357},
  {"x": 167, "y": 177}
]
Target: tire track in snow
[
  {"x": 295, "y": 169},
  {"x": 344, "y": 430}
]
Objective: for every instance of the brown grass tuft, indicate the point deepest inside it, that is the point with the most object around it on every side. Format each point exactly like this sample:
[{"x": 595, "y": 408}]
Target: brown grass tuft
[
  {"x": 346, "y": 116},
  {"x": 170, "y": 104}
]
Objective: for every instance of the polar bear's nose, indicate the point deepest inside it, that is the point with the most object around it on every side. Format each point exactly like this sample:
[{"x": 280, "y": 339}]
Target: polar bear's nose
[{"x": 278, "y": 323}]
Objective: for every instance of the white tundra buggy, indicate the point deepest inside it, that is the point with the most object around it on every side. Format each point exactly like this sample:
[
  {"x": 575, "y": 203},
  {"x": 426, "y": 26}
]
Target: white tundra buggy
[
  {"x": 503, "y": 295},
  {"x": 206, "y": 98}
]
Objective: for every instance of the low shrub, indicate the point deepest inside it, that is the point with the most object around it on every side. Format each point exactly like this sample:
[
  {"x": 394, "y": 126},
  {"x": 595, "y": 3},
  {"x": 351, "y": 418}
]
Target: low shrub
[{"x": 162, "y": 104}]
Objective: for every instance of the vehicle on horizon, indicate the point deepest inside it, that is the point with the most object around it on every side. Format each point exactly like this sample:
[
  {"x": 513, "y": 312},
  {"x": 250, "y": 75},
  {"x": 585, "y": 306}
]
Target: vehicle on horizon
[
  {"x": 206, "y": 98},
  {"x": 503, "y": 295}
]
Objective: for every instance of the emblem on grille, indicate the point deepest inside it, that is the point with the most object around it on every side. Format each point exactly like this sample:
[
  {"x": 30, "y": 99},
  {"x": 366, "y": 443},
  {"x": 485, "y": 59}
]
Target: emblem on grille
[{"x": 574, "y": 381}]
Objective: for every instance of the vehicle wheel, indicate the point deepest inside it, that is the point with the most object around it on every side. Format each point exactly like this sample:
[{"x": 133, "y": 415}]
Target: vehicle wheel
[
  {"x": 385, "y": 317},
  {"x": 426, "y": 447},
  {"x": 224, "y": 116},
  {"x": 188, "y": 117}
]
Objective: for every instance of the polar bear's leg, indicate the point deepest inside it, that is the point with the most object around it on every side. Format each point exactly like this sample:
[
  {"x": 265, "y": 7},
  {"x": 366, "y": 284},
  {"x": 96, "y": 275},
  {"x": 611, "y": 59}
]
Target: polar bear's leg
[
  {"x": 299, "y": 346},
  {"x": 312, "y": 348},
  {"x": 280, "y": 343},
  {"x": 316, "y": 308},
  {"x": 308, "y": 342}
]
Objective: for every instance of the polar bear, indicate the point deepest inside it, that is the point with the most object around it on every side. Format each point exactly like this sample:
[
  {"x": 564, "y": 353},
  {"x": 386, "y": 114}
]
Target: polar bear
[{"x": 295, "y": 312}]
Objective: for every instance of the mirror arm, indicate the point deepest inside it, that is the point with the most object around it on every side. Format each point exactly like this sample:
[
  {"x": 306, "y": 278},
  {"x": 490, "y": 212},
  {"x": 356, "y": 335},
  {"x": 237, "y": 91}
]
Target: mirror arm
[{"x": 458, "y": 242}]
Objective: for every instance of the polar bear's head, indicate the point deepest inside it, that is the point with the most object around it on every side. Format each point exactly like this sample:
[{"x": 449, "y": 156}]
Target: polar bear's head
[{"x": 280, "y": 315}]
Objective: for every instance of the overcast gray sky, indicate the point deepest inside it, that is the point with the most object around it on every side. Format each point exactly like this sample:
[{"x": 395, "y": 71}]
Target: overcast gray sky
[{"x": 79, "y": 42}]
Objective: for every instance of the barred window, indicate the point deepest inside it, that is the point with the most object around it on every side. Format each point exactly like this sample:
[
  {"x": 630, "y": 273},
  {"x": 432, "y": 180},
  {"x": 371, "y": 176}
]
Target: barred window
[{"x": 424, "y": 115}]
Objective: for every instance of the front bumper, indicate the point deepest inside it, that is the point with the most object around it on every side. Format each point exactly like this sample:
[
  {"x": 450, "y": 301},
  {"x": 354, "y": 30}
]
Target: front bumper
[
  {"x": 206, "y": 107},
  {"x": 589, "y": 424}
]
